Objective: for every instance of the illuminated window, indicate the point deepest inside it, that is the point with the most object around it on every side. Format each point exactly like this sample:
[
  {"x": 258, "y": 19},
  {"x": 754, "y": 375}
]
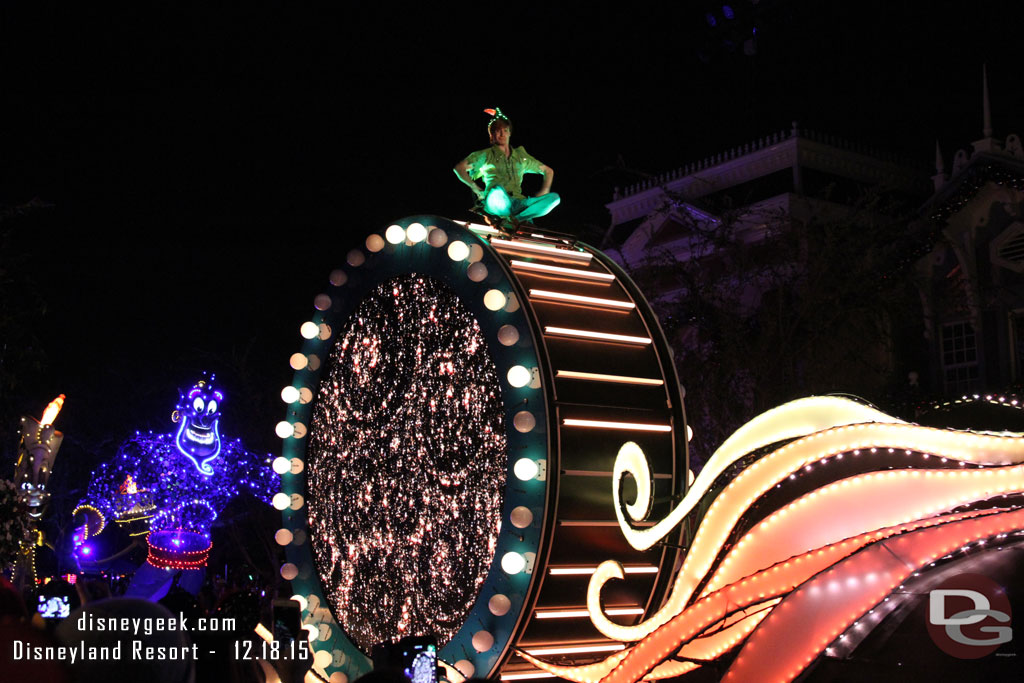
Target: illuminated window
[{"x": 959, "y": 357}]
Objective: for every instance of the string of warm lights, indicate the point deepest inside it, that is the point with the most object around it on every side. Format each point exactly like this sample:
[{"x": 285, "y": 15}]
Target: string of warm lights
[
  {"x": 89, "y": 531},
  {"x": 737, "y": 497},
  {"x": 178, "y": 549},
  {"x": 786, "y": 422},
  {"x": 829, "y": 603},
  {"x": 818, "y": 564},
  {"x": 910, "y": 492},
  {"x": 765, "y": 584}
]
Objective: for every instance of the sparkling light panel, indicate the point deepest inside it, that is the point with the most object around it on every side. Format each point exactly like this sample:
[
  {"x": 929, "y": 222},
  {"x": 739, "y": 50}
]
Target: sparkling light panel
[{"x": 407, "y": 464}]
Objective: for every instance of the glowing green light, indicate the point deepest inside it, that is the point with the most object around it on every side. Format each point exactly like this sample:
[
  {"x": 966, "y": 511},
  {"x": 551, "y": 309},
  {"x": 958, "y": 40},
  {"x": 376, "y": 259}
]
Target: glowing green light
[{"x": 498, "y": 202}]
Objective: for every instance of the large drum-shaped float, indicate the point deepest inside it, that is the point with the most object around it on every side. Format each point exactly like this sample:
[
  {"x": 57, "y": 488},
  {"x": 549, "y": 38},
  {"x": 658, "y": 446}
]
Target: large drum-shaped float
[{"x": 453, "y": 422}]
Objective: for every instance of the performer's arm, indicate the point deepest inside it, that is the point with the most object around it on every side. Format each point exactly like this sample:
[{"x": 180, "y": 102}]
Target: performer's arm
[
  {"x": 462, "y": 173},
  {"x": 549, "y": 177}
]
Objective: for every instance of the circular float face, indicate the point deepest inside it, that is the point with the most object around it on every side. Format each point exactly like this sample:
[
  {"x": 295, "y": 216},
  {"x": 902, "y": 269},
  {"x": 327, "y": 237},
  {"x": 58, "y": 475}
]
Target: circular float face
[
  {"x": 401, "y": 486},
  {"x": 451, "y": 442},
  {"x": 407, "y": 457}
]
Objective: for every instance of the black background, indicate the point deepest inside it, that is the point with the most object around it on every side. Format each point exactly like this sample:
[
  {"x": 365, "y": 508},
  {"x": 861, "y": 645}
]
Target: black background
[{"x": 201, "y": 170}]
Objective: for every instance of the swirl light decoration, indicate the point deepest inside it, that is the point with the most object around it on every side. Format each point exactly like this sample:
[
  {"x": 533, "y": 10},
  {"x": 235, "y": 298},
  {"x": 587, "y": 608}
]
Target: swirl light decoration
[
  {"x": 814, "y": 516},
  {"x": 449, "y": 443}
]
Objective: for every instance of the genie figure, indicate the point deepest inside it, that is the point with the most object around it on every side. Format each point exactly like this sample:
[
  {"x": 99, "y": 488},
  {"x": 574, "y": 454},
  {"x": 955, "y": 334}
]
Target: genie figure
[
  {"x": 163, "y": 492},
  {"x": 198, "y": 413}
]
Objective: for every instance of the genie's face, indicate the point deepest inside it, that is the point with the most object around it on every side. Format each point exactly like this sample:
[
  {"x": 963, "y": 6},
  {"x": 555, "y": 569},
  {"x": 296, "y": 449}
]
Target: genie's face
[{"x": 198, "y": 435}]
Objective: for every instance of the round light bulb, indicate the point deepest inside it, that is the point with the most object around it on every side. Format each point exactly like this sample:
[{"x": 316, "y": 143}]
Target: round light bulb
[
  {"x": 298, "y": 361},
  {"x": 524, "y": 421},
  {"x": 437, "y": 237},
  {"x": 508, "y": 335},
  {"x": 477, "y": 272},
  {"x": 322, "y": 658},
  {"x": 513, "y": 563},
  {"x": 494, "y": 300},
  {"x": 483, "y": 641},
  {"x": 309, "y": 330},
  {"x": 395, "y": 234},
  {"x": 518, "y": 376},
  {"x": 289, "y": 394},
  {"x": 301, "y": 599},
  {"x": 416, "y": 232},
  {"x": 499, "y": 604},
  {"x": 289, "y": 571},
  {"x": 284, "y": 429},
  {"x": 282, "y": 465},
  {"x": 322, "y": 302},
  {"x": 281, "y": 501},
  {"x": 521, "y": 517},
  {"x": 375, "y": 243},
  {"x": 458, "y": 251},
  {"x": 283, "y": 537},
  {"x": 526, "y": 469}
]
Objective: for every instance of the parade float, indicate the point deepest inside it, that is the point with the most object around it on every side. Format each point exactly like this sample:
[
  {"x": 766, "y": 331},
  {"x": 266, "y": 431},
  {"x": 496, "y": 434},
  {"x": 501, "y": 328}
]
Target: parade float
[{"x": 486, "y": 443}]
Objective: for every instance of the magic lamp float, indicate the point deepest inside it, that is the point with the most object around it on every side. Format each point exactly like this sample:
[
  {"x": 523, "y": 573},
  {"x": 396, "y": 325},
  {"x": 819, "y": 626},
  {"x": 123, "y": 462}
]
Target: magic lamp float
[{"x": 485, "y": 438}]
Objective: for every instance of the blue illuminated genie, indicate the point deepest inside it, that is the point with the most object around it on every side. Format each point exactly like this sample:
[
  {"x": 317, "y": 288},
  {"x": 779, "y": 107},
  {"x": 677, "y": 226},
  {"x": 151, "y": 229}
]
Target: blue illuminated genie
[
  {"x": 162, "y": 493},
  {"x": 198, "y": 413}
]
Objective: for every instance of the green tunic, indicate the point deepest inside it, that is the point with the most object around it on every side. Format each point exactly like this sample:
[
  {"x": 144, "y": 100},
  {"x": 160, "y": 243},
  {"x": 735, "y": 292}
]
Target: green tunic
[{"x": 496, "y": 169}]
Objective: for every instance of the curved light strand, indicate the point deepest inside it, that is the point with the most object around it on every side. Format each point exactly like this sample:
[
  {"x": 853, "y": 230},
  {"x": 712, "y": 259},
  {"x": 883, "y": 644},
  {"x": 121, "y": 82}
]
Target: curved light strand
[
  {"x": 761, "y": 476},
  {"x": 821, "y": 614},
  {"x": 912, "y": 550},
  {"x": 792, "y": 420}
]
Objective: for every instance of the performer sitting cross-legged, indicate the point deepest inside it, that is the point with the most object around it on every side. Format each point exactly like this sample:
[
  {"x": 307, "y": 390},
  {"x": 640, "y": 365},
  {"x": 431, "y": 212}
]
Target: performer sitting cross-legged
[{"x": 502, "y": 168}]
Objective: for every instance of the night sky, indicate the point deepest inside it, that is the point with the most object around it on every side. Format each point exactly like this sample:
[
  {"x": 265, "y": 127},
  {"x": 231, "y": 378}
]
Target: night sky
[{"x": 200, "y": 171}]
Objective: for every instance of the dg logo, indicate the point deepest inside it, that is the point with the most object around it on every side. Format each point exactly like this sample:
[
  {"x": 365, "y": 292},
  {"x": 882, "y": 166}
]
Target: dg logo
[{"x": 969, "y": 616}]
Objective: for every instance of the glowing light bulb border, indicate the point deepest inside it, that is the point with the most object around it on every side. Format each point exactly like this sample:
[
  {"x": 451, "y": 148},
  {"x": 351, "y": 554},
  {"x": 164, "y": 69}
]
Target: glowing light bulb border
[
  {"x": 98, "y": 513},
  {"x": 193, "y": 554},
  {"x": 471, "y": 273}
]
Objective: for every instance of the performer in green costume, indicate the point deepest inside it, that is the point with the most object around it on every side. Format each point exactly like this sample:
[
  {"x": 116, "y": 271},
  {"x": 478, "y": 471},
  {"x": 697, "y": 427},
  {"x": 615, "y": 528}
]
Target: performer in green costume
[{"x": 502, "y": 168}]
